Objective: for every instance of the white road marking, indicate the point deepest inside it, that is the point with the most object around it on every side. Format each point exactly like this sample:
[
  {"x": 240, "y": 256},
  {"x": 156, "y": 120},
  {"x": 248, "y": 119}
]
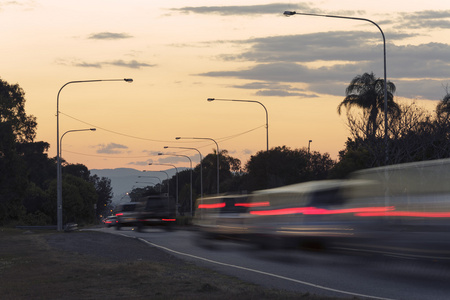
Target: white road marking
[{"x": 259, "y": 272}]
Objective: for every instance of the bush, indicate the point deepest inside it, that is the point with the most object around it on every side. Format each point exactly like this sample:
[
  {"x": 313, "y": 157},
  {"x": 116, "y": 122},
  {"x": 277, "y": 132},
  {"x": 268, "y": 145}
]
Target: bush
[{"x": 37, "y": 218}]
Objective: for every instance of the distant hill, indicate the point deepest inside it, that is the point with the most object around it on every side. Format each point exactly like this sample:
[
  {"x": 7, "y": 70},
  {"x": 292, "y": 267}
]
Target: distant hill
[{"x": 123, "y": 180}]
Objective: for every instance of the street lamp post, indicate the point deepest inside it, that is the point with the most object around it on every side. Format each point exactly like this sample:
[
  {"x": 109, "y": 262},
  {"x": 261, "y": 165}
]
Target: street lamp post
[
  {"x": 217, "y": 145},
  {"x": 190, "y": 161},
  {"x": 167, "y": 182},
  {"x": 254, "y": 101},
  {"x": 75, "y": 130},
  {"x": 58, "y": 158},
  {"x": 291, "y": 13},
  {"x": 59, "y": 179},
  {"x": 176, "y": 190},
  {"x": 201, "y": 166},
  {"x": 309, "y": 145}
]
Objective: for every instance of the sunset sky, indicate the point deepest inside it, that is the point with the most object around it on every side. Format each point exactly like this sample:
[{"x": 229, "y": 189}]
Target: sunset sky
[{"x": 179, "y": 53}]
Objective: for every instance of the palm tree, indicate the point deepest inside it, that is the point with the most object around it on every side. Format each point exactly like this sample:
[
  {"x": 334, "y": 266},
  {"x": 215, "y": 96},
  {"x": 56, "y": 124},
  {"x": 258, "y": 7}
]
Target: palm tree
[
  {"x": 367, "y": 92},
  {"x": 443, "y": 107}
]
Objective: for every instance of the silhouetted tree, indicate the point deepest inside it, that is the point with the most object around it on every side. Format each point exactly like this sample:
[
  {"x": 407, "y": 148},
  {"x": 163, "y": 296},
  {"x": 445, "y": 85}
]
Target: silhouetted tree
[
  {"x": 15, "y": 127},
  {"x": 228, "y": 167},
  {"x": 282, "y": 166},
  {"x": 367, "y": 92},
  {"x": 104, "y": 193}
]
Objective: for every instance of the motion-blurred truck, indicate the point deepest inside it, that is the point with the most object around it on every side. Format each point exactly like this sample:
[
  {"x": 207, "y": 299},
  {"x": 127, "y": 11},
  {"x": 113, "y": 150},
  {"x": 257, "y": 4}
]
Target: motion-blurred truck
[{"x": 148, "y": 211}]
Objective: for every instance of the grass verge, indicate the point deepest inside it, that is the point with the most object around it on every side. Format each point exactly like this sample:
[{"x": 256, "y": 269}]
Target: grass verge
[{"x": 91, "y": 265}]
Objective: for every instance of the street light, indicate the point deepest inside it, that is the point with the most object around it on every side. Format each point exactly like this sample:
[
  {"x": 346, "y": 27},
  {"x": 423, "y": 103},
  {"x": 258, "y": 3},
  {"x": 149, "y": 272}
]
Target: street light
[
  {"x": 217, "y": 145},
  {"x": 59, "y": 179},
  {"x": 254, "y": 101},
  {"x": 291, "y": 13},
  {"x": 201, "y": 166},
  {"x": 58, "y": 158},
  {"x": 167, "y": 182},
  {"x": 309, "y": 144},
  {"x": 176, "y": 169},
  {"x": 60, "y": 140},
  {"x": 190, "y": 161}
]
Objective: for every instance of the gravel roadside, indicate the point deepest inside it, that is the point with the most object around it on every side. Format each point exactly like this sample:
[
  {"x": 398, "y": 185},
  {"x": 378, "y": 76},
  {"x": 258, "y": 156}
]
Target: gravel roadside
[{"x": 108, "y": 246}]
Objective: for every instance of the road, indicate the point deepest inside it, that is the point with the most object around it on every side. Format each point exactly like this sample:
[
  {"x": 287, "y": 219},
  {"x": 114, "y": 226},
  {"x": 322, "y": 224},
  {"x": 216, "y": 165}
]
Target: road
[{"x": 332, "y": 273}]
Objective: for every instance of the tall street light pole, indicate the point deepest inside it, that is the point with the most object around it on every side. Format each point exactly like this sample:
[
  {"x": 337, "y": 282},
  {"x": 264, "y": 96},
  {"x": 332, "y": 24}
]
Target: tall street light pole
[
  {"x": 217, "y": 145},
  {"x": 190, "y": 161},
  {"x": 75, "y": 130},
  {"x": 386, "y": 138},
  {"x": 309, "y": 145},
  {"x": 176, "y": 190},
  {"x": 58, "y": 158},
  {"x": 59, "y": 179},
  {"x": 201, "y": 166},
  {"x": 254, "y": 101}
]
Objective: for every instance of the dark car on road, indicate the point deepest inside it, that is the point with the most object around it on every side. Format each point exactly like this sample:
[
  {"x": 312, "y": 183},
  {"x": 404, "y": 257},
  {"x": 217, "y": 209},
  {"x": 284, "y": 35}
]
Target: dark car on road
[
  {"x": 126, "y": 214},
  {"x": 148, "y": 211},
  {"x": 110, "y": 221}
]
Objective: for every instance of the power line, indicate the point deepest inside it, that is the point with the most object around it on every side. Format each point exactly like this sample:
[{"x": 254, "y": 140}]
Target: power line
[
  {"x": 153, "y": 140},
  {"x": 141, "y": 138}
]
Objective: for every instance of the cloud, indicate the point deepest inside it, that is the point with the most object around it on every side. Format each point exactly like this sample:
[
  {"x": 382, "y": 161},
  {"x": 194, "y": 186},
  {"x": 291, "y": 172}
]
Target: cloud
[
  {"x": 424, "y": 19},
  {"x": 247, "y": 10},
  {"x": 88, "y": 65},
  {"x": 26, "y": 5},
  {"x": 247, "y": 151},
  {"x": 333, "y": 45},
  {"x": 431, "y": 89},
  {"x": 262, "y": 9},
  {"x": 327, "y": 61},
  {"x": 276, "y": 90},
  {"x": 111, "y": 148},
  {"x": 168, "y": 159},
  {"x": 139, "y": 163},
  {"x": 132, "y": 64},
  {"x": 109, "y": 36},
  {"x": 151, "y": 152},
  {"x": 284, "y": 93}
]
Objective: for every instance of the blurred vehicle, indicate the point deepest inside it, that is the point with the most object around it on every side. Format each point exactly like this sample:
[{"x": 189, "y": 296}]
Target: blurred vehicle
[
  {"x": 306, "y": 214},
  {"x": 399, "y": 210},
  {"x": 221, "y": 216},
  {"x": 415, "y": 221},
  {"x": 155, "y": 211},
  {"x": 110, "y": 221},
  {"x": 148, "y": 211},
  {"x": 126, "y": 215}
]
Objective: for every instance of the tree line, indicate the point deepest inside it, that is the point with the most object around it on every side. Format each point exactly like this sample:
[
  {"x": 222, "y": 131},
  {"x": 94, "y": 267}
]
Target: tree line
[{"x": 28, "y": 177}]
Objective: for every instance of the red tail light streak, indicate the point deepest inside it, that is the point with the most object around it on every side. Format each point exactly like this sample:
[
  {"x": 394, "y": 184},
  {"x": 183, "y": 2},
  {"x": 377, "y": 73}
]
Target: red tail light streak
[
  {"x": 253, "y": 204},
  {"x": 322, "y": 211},
  {"x": 382, "y": 211},
  {"x": 212, "y": 205}
]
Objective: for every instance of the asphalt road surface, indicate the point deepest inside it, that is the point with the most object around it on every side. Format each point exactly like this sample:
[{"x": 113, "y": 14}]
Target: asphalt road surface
[{"x": 336, "y": 272}]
